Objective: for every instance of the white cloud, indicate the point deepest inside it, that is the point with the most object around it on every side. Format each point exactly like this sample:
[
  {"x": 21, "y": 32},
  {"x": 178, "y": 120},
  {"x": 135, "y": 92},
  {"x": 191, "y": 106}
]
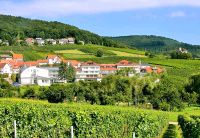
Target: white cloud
[
  {"x": 53, "y": 8},
  {"x": 177, "y": 14}
]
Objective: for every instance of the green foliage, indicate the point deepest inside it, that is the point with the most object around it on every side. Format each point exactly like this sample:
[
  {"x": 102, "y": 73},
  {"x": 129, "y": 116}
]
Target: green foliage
[
  {"x": 99, "y": 53},
  {"x": 38, "y": 119},
  {"x": 190, "y": 126},
  {"x": 179, "y": 55},
  {"x": 156, "y": 44},
  {"x": 12, "y": 28},
  {"x": 29, "y": 93},
  {"x": 172, "y": 132},
  {"x": 66, "y": 72},
  {"x": 55, "y": 94}
]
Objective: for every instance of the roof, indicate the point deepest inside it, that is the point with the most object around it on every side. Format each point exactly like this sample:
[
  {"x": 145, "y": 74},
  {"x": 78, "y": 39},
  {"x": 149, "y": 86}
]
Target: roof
[
  {"x": 89, "y": 63},
  {"x": 2, "y": 65},
  {"x": 17, "y": 56},
  {"x": 148, "y": 69},
  {"x": 51, "y": 56},
  {"x": 124, "y": 63},
  {"x": 31, "y": 63},
  {"x": 108, "y": 69},
  {"x": 72, "y": 62},
  {"x": 42, "y": 61}
]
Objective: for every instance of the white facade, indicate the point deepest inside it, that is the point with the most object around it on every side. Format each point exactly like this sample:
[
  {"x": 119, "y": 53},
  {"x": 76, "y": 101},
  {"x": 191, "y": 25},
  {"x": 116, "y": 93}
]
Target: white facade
[
  {"x": 54, "y": 60},
  {"x": 89, "y": 73},
  {"x": 6, "y": 69},
  {"x": 33, "y": 75}
]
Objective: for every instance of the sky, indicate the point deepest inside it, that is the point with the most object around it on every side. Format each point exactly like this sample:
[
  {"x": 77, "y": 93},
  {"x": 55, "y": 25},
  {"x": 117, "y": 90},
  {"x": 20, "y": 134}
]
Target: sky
[{"x": 177, "y": 19}]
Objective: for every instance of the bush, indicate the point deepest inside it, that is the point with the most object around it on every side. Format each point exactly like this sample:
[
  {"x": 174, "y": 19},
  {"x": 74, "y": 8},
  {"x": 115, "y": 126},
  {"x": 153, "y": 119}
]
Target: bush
[
  {"x": 99, "y": 53},
  {"x": 55, "y": 94},
  {"x": 190, "y": 126},
  {"x": 29, "y": 93}
]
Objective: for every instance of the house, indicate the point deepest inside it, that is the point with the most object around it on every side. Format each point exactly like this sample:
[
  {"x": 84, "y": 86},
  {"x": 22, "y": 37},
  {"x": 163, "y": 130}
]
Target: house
[
  {"x": 53, "y": 59},
  {"x": 88, "y": 71},
  {"x": 182, "y": 50},
  {"x": 71, "y": 40},
  {"x": 6, "y": 43},
  {"x": 51, "y": 41},
  {"x": 63, "y": 41},
  {"x": 76, "y": 64},
  {"x": 35, "y": 76},
  {"x": 5, "y": 57},
  {"x": 5, "y": 69},
  {"x": 30, "y": 41},
  {"x": 18, "y": 57},
  {"x": 40, "y": 41},
  {"x": 127, "y": 64},
  {"x": 54, "y": 74},
  {"x": 107, "y": 69}
]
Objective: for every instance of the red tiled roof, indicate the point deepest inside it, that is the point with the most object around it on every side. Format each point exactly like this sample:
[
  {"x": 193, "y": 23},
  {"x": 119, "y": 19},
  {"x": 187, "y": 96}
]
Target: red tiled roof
[
  {"x": 159, "y": 70},
  {"x": 148, "y": 69},
  {"x": 31, "y": 63},
  {"x": 42, "y": 61},
  {"x": 90, "y": 63},
  {"x": 51, "y": 56},
  {"x": 2, "y": 65},
  {"x": 108, "y": 69},
  {"x": 124, "y": 62},
  {"x": 17, "y": 56}
]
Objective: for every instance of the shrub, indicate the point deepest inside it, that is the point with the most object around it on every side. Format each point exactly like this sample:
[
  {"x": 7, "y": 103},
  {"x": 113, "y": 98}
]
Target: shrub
[
  {"x": 55, "y": 94},
  {"x": 99, "y": 53}
]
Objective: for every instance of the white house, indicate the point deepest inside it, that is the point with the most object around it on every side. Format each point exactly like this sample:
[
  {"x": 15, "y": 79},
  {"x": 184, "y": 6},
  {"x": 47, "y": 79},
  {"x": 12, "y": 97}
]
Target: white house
[
  {"x": 88, "y": 71},
  {"x": 5, "y": 69},
  {"x": 53, "y": 59},
  {"x": 51, "y": 41},
  {"x": 71, "y": 40},
  {"x": 40, "y": 41},
  {"x": 34, "y": 75},
  {"x": 63, "y": 41}
]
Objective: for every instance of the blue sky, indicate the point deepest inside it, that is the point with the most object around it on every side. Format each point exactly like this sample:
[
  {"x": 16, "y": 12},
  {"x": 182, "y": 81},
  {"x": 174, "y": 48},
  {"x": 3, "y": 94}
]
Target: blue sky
[{"x": 177, "y": 19}]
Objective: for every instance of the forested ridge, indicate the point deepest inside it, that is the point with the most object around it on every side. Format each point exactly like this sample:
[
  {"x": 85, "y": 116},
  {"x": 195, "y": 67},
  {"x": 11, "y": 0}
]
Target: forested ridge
[
  {"x": 156, "y": 44},
  {"x": 12, "y": 28}
]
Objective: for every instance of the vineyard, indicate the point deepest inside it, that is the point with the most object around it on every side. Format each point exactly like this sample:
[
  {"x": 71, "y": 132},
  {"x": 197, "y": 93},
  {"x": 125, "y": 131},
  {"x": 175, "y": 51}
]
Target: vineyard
[
  {"x": 190, "y": 126},
  {"x": 41, "y": 119}
]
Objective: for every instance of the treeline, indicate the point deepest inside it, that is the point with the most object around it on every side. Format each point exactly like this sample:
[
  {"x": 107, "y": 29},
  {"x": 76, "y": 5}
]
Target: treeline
[
  {"x": 151, "y": 91},
  {"x": 179, "y": 55},
  {"x": 156, "y": 44},
  {"x": 16, "y": 28}
]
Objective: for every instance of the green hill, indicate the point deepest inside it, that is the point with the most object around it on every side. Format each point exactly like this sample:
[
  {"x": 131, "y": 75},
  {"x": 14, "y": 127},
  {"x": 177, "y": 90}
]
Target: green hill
[
  {"x": 156, "y": 44},
  {"x": 12, "y": 28}
]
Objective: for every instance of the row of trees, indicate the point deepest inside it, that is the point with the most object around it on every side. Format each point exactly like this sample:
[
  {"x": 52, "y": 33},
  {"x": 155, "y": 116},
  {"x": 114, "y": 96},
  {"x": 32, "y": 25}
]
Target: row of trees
[
  {"x": 179, "y": 55},
  {"x": 118, "y": 89}
]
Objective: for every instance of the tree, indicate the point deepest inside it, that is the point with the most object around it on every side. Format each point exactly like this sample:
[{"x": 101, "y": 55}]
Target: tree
[
  {"x": 55, "y": 94},
  {"x": 70, "y": 73},
  {"x": 194, "y": 85},
  {"x": 99, "y": 53},
  {"x": 66, "y": 72},
  {"x": 62, "y": 71}
]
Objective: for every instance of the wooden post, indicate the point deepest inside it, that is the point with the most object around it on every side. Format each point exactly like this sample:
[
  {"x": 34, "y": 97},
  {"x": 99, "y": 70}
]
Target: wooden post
[
  {"x": 15, "y": 129},
  {"x": 72, "y": 132},
  {"x": 133, "y": 134}
]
